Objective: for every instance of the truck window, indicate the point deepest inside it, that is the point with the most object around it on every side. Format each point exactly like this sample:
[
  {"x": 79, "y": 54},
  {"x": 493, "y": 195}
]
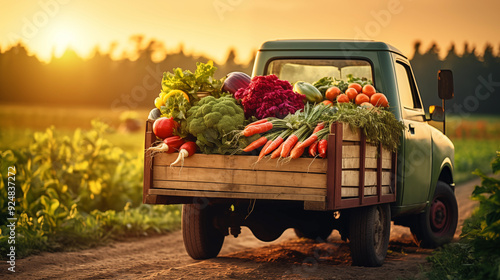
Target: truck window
[
  {"x": 311, "y": 70},
  {"x": 406, "y": 87}
]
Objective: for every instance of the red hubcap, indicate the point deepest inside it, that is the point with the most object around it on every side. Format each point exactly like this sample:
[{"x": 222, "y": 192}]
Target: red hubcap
[{"x": 438, "y": 216}]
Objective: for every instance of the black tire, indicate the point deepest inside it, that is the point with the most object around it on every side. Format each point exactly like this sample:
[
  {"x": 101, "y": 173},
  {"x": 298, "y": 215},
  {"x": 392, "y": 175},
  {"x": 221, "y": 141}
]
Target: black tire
[
  {"x": 437, "y": 225},
  {"x": 320, "y": 235},
  {"x": 201, "y": 239},
  {"x": 369, "y": 232}
]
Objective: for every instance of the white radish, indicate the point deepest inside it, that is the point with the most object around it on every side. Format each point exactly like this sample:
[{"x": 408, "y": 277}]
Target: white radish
[{"x": 186, "y": 150}]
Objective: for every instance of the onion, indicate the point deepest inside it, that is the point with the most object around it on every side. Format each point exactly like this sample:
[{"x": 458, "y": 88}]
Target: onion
[{"x": 234, "y": 81}]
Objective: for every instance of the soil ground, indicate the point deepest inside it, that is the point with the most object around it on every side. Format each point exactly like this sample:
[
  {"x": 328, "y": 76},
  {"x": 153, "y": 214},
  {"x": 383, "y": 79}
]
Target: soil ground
[{"x": 245, "y": 257}]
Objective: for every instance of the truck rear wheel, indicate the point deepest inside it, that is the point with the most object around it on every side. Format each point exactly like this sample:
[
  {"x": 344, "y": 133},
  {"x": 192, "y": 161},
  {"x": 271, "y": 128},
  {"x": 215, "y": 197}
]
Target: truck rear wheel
[
  {"x": 202, "y": 239},
  {"x": 369, "y": 232},
  {"x": 437, "y": 225}
]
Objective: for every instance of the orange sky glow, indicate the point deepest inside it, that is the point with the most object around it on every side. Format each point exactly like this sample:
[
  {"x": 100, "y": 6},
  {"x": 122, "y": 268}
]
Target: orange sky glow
[{"x": 212, "y": 27}]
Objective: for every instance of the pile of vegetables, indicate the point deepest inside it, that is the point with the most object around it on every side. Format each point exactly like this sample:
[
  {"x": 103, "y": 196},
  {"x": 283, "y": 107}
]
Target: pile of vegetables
[
  {"x": 288, "y": 138},
  {"x": 264, "y": 114}
]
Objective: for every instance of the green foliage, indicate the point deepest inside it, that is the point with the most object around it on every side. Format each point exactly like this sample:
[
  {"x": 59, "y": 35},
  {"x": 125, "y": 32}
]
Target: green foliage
[
  {"x": 378, "y": 124},
  {"x": 476, "y": 255},
  {"x": 472, "y": 154},
  {"x": 212, "y": 122},
  {"x": 76, "y": 191},
  {"x": 202, "y": 80}
]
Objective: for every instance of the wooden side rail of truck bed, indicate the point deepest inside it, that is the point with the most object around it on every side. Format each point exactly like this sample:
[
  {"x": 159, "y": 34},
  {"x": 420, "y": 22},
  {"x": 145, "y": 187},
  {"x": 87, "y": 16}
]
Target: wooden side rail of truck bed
[{"x": 355, "y": 173}]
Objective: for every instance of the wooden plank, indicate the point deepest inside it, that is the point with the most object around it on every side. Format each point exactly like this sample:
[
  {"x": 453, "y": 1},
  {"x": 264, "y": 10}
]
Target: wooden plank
[
  {"x": 350, "y": 178},
  {"x": 277, "y": 196},
  {"x": 243, "y": 177},
  {"x": 315, "y": 205},
  {"x": 370, "y": 163},
  {"x": 352, "y": 151},
  {"x": 149, "y": 138},
  {"x": 369, "y": 191},
  {"x": 209, "y": 186},
  {"x": 308, "y": 165},
  {"x": 348, "y": 134}
]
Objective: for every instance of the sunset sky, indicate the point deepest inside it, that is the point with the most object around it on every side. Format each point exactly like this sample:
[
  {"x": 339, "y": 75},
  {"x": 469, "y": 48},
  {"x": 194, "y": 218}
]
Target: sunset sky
[{"x": 211, "y": 27}]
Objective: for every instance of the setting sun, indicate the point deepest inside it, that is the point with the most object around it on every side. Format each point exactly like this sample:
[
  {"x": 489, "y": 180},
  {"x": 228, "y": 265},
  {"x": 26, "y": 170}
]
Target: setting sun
[{"x": 62, "y": 37}]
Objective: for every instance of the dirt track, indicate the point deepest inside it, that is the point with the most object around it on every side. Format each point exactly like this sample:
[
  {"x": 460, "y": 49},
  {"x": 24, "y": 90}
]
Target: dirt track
[{"x": 163, "y": 257}]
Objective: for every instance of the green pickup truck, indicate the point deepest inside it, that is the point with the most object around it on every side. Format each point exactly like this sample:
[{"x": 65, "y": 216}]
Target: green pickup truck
[{"x": 358, "y": 189}]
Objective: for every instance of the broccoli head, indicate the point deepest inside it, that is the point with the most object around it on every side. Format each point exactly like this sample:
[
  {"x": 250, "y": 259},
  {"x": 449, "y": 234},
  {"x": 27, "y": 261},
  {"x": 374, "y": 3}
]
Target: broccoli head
[{"x": 212, "y": 121}]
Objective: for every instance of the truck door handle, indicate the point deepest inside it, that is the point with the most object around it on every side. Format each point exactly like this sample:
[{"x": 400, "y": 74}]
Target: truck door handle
[{"x": 411, "y": 128}]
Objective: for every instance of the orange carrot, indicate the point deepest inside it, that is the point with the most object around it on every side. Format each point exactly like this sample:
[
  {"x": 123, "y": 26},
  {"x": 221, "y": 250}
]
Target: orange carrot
[
  {"x": 313, "y": 149},
  {"x": 288, "y": 145},
  {"x": 277, "y": 142},
  {"x": 255, "y": 144},
  {"x": 320, "y": 130},
  {"x": 256, "y": 122},
  {"x": 261, "y": 154},
  {"x": 258, "y": 128},
  {"x": 297, "y": 151},
  {"x": 319, "y": 127},
  {"x": 277, "y": 152},
  {"x": 309, "y": 141}
]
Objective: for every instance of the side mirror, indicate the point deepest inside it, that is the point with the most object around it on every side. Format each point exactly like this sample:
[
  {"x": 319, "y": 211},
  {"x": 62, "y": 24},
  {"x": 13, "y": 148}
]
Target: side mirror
[
  {"x": 445, "y": 84},
  {"x": 436, "y": 113}
]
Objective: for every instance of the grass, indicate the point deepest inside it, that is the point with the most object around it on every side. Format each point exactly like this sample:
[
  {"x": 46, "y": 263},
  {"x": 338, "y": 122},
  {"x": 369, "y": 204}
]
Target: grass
[
  {"x": 18, "y": 124},
  {"x": 471, "y": 154}
]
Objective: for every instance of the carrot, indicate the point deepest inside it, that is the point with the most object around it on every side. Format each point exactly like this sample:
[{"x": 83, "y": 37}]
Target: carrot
[
  {"x": 288, "y": 145},
  {"x": 277, "y": 142},
  {"x": 255, "y": 144},
  {"x": 277, "y": 152},
  {"x": 186, "y": 150},
  {"x": 322, "y": 147},
  {"x": 319, "y": 127},
  {"x": 297, "y": 151},
  {"x": 258, "y": 128},
  {"x": 256, "y": 122},
  {"x": 313, "y": 149},
  {"x": 261, "y": 154},
  {"x": 309, "y": 141},
  {"x": 319, "y": 131}
]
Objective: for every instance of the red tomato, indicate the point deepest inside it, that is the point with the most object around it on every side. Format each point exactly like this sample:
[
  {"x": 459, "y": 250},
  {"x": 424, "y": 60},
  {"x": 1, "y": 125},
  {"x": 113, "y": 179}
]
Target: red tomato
[
  {"x": 369, "y": 90},
  {"x": 164, "y": 127},
  {"x": 332, "y": 93},
  {"x": 379, "y": 100},
  {"x": 351, "y": 93},
  {"x": 356, "y": 86},
  {"x": 361, "y": 98},
  {"x": 342, "y": 99}
]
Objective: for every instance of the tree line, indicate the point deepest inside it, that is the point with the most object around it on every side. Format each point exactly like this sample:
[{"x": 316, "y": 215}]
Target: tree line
[{"x": 124, "y": 84}]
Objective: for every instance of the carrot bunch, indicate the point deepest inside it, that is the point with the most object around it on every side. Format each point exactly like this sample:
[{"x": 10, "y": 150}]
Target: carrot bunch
[{"x": 288, "y": 138}]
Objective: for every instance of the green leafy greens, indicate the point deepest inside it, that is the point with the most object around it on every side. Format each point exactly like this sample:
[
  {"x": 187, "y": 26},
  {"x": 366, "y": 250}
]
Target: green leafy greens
[{"x": 202, "y": 80}]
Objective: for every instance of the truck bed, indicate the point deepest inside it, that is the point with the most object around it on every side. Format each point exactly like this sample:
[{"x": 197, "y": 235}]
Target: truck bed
[{"x": 365, "y": 177}]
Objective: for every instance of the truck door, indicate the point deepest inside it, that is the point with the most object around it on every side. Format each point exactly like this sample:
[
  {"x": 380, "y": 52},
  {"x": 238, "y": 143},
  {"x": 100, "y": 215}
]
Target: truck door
[{"x": 417, "y": 160}]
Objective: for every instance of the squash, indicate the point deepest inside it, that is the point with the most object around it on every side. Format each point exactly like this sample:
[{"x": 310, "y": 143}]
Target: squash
[{"x": 311, "y": 92}]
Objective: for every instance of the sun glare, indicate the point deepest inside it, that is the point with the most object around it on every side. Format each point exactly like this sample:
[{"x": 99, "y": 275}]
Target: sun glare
[{"x": 62, "y": 37}]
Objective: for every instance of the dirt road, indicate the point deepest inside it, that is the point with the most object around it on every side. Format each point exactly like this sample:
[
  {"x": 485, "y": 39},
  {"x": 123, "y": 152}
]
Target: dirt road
[{"x": 245, "y": 257}]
